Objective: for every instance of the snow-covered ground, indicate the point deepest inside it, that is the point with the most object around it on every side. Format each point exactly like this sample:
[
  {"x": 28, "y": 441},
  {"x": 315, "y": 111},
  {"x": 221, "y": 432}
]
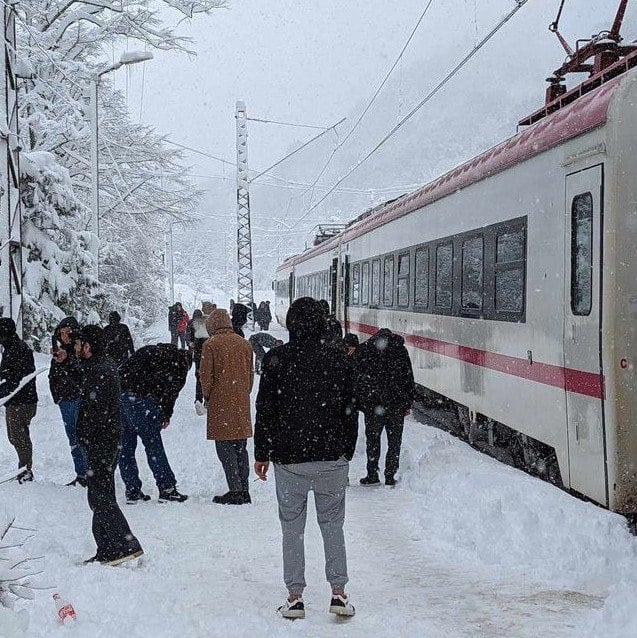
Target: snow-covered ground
[{"x": 463, "y": 546}]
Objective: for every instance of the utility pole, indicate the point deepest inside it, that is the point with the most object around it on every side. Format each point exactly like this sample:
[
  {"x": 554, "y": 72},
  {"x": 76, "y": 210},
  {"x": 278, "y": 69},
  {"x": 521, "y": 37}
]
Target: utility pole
[
  {"x": 10, "y": 209},
  {"x": 245, "y": 285}
]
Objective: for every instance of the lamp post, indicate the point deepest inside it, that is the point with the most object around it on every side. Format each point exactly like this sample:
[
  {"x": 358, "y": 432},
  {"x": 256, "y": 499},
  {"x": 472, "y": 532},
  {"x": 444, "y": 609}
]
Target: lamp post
[{"x": 130, "y": 57}]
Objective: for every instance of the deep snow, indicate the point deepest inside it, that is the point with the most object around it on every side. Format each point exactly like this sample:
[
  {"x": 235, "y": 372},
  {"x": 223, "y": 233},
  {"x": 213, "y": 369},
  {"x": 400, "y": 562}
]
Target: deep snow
[{"x": 463, "y": 546}]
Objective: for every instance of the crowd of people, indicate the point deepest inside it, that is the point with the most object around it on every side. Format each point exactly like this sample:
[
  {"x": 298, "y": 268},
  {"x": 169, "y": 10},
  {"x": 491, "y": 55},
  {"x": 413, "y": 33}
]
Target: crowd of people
[{"x": 306, "y": 424}]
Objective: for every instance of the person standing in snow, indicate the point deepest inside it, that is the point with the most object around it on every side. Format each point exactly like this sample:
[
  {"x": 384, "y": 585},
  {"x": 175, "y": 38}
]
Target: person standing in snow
[
  {"x": 172, "y": 324},
  {"x": 259, "y": 342},
  {"x": 197, "y": 336},
  {"x": 263, "y": 315},
  {"x": 151, "y": 382},
  {"x": 65, "y": 379},
  {"x": 384, "y": 391},
  {"x": 99, "y": 429},
  {"x": 226, "y": 380},
  {"x": 207, "y": 307},
  {"x": 333, "y": 329},
  {"x": 118, "y": 339},
  {"x": 17, "y": 363},
  {"x": 239, "y": 318},
  {"x": 182, "y": 325},
  {"x": 306, "y": 425}
]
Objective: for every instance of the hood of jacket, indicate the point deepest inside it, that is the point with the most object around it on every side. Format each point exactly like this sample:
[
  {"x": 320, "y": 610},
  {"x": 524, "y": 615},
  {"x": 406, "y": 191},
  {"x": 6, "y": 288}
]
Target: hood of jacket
[
  {"x": 218, "y": 320},
  {"x": 306, "y": 320},
  {"x": 386, "y": 339}
]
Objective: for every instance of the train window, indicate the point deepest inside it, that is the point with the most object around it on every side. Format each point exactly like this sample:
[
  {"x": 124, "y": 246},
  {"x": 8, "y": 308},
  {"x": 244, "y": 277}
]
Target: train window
[
  {"x": 375, "y": 297},
  {"x": 365, "y": 283},
  {"x": 444, "y": 275},
  {"x": 472, "y": 273},
  {"x": 582, "y": 254},
  {"x": 356, "y": 284},
  {"x": 509, "y": 271},
  {"x": 403, "y": 280},
  {"x": 388, "y": 281},
  {"x": 421, "y": 287}
]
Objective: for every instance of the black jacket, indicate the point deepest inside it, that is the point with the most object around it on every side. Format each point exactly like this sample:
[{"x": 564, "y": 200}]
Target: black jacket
[
  {"x": 382, "y": 373},
  {"x": 118, "y": 342},
  {"x": 17, "y": 363},
  {"x": 304, "y": 405},
  {"x": 159, "y": 372},
  {"x": 99, "y": 420},
  {"x": 334, "y": 332},
  {"x": 65, "y": 378}
]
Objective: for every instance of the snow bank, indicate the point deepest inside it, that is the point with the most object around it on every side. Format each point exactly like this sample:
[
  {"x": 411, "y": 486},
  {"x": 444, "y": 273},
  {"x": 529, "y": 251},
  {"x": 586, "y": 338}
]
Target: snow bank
[{"x": 501, "y": 518}]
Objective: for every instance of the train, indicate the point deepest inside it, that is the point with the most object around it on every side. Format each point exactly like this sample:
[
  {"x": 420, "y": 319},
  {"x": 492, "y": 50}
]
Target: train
[{"x": 513, "y": 280}]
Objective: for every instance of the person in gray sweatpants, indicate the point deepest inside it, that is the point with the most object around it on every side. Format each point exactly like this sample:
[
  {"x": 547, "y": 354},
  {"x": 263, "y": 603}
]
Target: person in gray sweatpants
[{"x": 307, "y": 427}]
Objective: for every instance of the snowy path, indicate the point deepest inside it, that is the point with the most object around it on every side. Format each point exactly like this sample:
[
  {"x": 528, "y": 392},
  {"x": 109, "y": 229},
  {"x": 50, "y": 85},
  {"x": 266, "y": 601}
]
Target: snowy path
[{"x": 462, "y": 547}]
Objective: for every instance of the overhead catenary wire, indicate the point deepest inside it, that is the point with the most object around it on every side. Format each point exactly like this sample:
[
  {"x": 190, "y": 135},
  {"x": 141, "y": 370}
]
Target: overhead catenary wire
[
  {"x": 519, "y": 4},
  {"x": 373, "y": 98},
  {"x": 263, "y": 121}
]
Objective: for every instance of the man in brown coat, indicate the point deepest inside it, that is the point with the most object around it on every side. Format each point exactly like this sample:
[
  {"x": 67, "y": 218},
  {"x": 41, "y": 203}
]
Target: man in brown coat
[{"x": 226, "y": 376}]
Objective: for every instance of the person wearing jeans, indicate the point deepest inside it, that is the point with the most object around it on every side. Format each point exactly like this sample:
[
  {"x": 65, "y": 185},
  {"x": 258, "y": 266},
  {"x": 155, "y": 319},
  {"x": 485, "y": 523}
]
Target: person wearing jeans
[
  {"x": 307, "y": 426},
  {"x": 65, "y": 378},
  {"x": 151, "y": 381}
]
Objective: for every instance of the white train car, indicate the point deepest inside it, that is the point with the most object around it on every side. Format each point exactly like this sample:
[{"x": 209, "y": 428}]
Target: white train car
[{"x": 513, "y": 280}]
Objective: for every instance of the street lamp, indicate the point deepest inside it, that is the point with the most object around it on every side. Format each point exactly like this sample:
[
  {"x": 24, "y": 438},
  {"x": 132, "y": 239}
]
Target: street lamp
[{"x": 130, "y": 57}]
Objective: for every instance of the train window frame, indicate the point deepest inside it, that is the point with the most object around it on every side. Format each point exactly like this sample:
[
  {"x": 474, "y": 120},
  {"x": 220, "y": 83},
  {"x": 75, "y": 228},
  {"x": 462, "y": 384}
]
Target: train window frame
[
  {"x": 365, "y": 280},
  {"x": 439, "y": 308},
  {"x": 356, "y": 284},
  {"x": 388, "y": 286},
  {"x": 404, "y": 277},
  {"x": 586, "y": 310},
  {"x": 502, "y": 267},
  {"x": 463, "y": 241},
  {"x": 375, "y": 303}
]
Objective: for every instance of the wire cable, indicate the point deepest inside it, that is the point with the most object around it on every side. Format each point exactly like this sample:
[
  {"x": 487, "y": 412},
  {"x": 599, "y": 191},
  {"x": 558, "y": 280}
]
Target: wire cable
[
  {"x": 373, "y": 99},
  {"x": 431, "y": 94},
  {"x": 319, "y": 128}
]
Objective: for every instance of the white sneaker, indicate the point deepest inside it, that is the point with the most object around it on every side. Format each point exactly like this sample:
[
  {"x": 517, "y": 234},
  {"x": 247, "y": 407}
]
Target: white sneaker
[
  {"x": 199, "y": 408},
  {"x": 294, "y": 609},
  {"x": 341, "y": 606}
]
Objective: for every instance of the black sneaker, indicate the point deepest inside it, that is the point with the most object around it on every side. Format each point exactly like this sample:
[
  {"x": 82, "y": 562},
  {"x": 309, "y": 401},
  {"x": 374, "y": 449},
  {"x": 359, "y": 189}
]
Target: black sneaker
[
  {"x": 78, "y": 480},
  {"x": 98, "y": 558},
  {"x": 390, "y": 480},
  {"x": 370, "y": 480},
  {"x": 137, "y": 497},
  {"x": 341, "y": 606},
  {"x": 233, "y": 498},
  {"x": 24, "y": 477},
  {"x": 294, "y": 609},
  {"x": 171, "y": 495}
]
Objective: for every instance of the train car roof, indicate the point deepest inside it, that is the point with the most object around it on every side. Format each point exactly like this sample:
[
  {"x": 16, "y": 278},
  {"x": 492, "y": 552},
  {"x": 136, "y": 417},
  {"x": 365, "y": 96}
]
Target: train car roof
[{"x": 586, "y": 112}]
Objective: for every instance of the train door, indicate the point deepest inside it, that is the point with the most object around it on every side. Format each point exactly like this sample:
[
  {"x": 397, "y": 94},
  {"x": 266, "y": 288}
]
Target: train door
[
  {"x": 291, "y": 289},
  {"x": 582, "y": 333},
  {"x": 344, "y": 291}
]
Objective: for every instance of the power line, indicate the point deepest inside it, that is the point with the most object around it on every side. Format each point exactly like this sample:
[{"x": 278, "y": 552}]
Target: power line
[
  {"x": 373, "y": 99},
  {"x": 432, "y": 93},
  {"x": 256, "y": 119}
]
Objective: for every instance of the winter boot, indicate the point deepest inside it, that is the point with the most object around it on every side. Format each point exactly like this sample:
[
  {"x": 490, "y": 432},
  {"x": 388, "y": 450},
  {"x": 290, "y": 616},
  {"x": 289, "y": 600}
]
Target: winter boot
[
  {"x": 136, "y": 497},
  {"x": 341, "y": 606},
  {"x": 171, "y": 495},
  {"x": 294, "y": 609},
  {"x": 370, "y": 479},
  {"x": 390, "y": 481},
  {"x": 25, "y": 477},
  {"x": 229, "y": 498}
]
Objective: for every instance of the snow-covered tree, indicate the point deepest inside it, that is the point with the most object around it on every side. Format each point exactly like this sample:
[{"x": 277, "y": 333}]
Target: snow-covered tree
[{"x": 58, "y": 280}]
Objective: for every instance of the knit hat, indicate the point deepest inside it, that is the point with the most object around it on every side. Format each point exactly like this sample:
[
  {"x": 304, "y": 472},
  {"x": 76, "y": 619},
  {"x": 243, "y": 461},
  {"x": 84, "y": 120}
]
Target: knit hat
[{"x": 217, "y": 320}]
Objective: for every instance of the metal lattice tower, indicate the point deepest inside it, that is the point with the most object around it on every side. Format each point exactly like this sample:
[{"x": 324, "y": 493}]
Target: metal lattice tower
[
  {"x": 10, "y": 210},
  {"x": 245, "y": 285}
]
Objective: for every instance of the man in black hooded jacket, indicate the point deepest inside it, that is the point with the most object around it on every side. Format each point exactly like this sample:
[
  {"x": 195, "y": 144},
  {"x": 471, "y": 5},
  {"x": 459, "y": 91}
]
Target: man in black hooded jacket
[
  {"x": 306, "y": 425},
  {"x": 99, "y": 429},
  {"x": 384, "y": 391},
  {"x": 117, "y": 339},
  {"x": 151, "y": 382},
  {"x": 17, "y": 363},
  {"x": 65, "y": 377}
]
